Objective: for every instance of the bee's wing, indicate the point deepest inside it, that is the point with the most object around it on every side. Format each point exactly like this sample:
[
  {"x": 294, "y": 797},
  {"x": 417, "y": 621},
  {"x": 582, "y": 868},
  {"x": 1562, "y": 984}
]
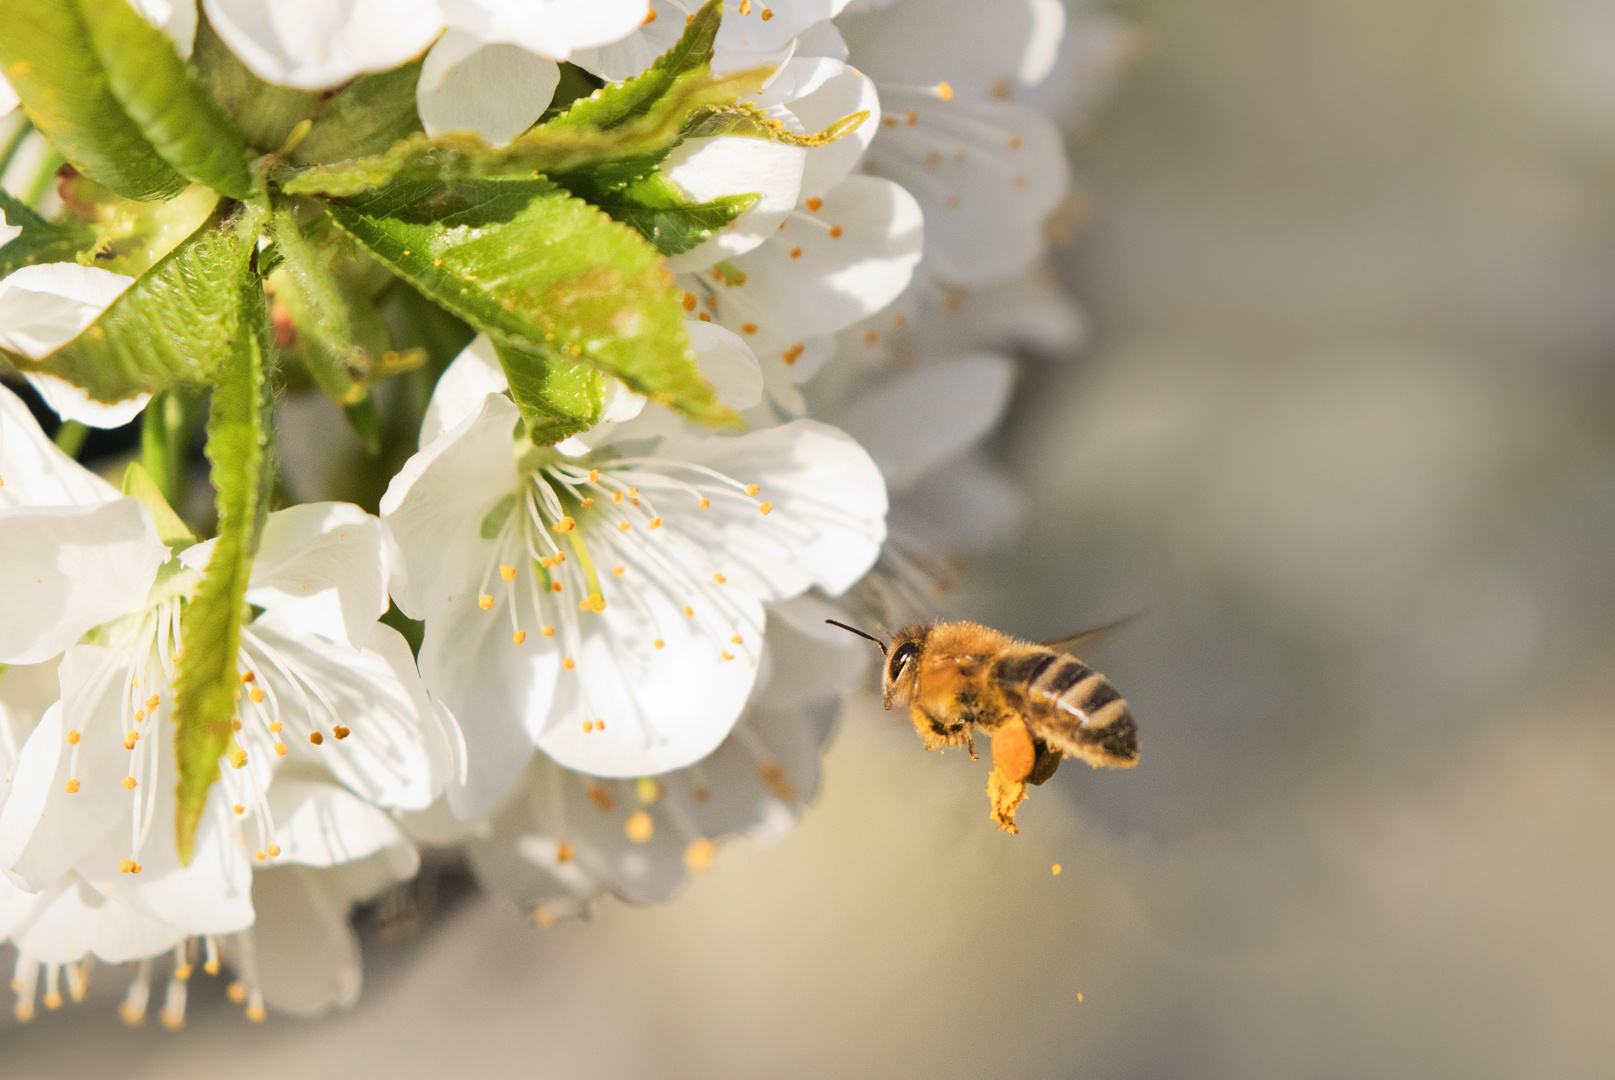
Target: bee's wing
[{"x": 1071, "y": 642}]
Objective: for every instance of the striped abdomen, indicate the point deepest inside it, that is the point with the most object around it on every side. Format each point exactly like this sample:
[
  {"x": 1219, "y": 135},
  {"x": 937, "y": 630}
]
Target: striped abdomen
[{"x": 1070, "y": 706}]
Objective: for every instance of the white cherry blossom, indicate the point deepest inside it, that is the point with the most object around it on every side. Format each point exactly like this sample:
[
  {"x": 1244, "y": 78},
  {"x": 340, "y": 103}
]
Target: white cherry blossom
[
  {"x": 607, "y": 607},
  {"x": 754, "y": 34},
  {"x": 44, "y": 307}
]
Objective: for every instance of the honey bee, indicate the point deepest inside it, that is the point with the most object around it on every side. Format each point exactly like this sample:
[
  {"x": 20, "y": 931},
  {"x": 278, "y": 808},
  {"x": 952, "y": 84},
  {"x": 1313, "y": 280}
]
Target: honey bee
[{"x": 1037, "y": 702}]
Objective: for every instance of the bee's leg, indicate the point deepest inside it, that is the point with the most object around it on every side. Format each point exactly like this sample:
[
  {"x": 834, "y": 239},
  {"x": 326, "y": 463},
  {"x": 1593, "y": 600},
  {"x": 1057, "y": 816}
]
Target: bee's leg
[
  {"x": 1047, "y": 759},
  {"x": 970, "y": 742},
  {"x": 932, "y": 731}
]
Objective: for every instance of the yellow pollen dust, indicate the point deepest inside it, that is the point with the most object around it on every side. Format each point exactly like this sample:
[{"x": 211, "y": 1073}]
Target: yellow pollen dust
[
  {"x": 568, "y": 663},
  {"x": 639, "y": 827},
  {"x": 565, "y": 525},
  {"x": 485, "y": 602},
  {"x": 129, "y": 783},
  {"x": 340, "y": 732},
  {"x": 765, "y": 508},
  {"x": 73, "y": 737},
  {"x": 281, "y": 748},
  {"x": 698, "y": 856},
  {"x": 316, "y": 738},
  {"x": 836, "y": 231},
  {"x": 659, "y": 643},
  {"x": 72, "y": 787},
  {"x": 256, "y": 694},
  {"x": 238, "y": 759},
  {"x": 944, "y": 91},
  {"x": 508, "y": 573},
  {"x": 595, "y": 603},
  {"x": 518, "y": 637}
]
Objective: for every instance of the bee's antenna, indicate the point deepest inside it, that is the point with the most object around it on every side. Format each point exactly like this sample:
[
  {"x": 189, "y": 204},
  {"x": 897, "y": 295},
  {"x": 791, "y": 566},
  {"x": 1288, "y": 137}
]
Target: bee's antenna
[{"x": 860, "y": 633}]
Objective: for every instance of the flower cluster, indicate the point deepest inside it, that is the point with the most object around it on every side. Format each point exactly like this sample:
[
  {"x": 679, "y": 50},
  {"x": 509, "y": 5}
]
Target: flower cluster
[{"x": 560, "y": 368}]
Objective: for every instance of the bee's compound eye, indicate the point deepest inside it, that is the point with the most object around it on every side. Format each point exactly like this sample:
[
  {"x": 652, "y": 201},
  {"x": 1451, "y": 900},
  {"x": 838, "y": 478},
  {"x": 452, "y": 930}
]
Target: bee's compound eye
[{"x": 900, "y": 658}]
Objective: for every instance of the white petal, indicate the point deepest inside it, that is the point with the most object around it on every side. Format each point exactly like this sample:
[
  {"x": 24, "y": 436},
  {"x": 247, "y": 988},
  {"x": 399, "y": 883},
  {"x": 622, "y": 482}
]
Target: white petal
[
  {"x": 175, "y": 18},
  {"x": 435, "y": 506},
  {"x": 44, "y": 307},
  {"x": 313, "y": 44},
  {"x": 8, "y": 232},
  {"x": 751, "y": 34},
  {"x": 320, "y": 824},
  {"x": 967, "y": 505},
  {"x": 924, "y": 416},
  {"x": 397, "y": 752},
  {"x": 26, "y": 691},
  {"x": 321, "y": 569},
  {"x": 64, "y": 923},
  {"x": 307, "y": 957},
  {"x": 830, "y": 282},
  {"x": 727, "y": 363},
  {"x": 710, "y": 168},
  {"x": 68, "y": 569},
  {"x": 33, "y": 471},
  {"x": 987, "y": 176},
  {"x": 819, "y": 92},
  {"x": 496, "y": 91},
  {"x": 828, "y": 517},
  {"x": 549, "y": 27},
  {"x": 473, "y": 375},
  {"x": 629, "y": 55},
  {"x": 213, "y": 895},
  {"x": 810, "y": 660},
  {"x": 73, "y": 403},
  {"x": 8, "y": 97},
  {"x": 950, "y": 41}
]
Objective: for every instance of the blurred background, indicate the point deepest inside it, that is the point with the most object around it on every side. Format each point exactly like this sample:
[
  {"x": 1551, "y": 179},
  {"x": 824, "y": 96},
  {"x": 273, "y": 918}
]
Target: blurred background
[{"x": 1345, "y": 427}]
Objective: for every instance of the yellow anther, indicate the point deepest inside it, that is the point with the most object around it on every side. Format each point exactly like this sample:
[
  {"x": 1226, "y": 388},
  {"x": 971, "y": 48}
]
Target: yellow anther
[
  {"x": 647, "y": 789},
  {"x": 659, "y": 643},
  {"x": 280, "y": 748},
  {"x": 568, "y": 663},
  {"x": 73, "y": 737},
  {"x": 639, "y": 827},
  {"x": 316, "y": 738},
  {"x": 619, "y": 570},
  {"x": 594, "y": 474},
  {"x": 518, "y": 637},
  {"x": 53, "y": 1000},
  {"x": 236, "y": 992},
  {"x": 944, "y": 91},
  {"x": 340, "y": 732},
  {"x": 727, "y": 655},
  {"x": 235, "y": 725},
  {"x": 689, "y": 305},
  {"x": 600, "y": 797},
  {"x": 565, "y": 525},
  {"x": 719, "y": 578},
  {"x": 508, "y": 573},
  {"x": 814, "y": 203},
  {"x": 911, "y": 117},
  {"x": 256, "y": 1013},
  {"x": 274, "y": 851},
  {"x": 564, "y": 852},
  {"x": 129, "y": 783},
  {"x": 239, "y": 809},
  {"x": 701, "y": 794},
  {"x": 558, "y": 559},
  {"x": 275, "y": 727},
  {"x": 485, "y": 602},
  {"x": 616, "y": 496},
  {"x": 791, "y": 355},
  {"x": 752, "y": 489},
  {"x": 595, "y": 603},
  {"x": 260, "y": 854},
  {"x": 152, "y": 702},
  {"x": 128, "y": 743},
  {"x": 555, "y": 586},
  {"x": 736, "y": 640},
  {"x": 140, "y": 714},
  {"x": 256, "y": 694},
  {"x": 588, "y": 726},
  {"x": 689, "y": 611},
  {"x": 588, "y": 502},
  {"x": 835, "y": 232},
  {"x": 211, "y": 967},
  {"x": 796, "y": 253},
  {"x": 624, "y": 526},
  {"x": 548, "y": 631},
  {"x": 238, "y": 759},
  {"x": 768, "y": 13},
  {"x": 72, "y": 787},
  {"x": 698, "y": 856},
  {"x": 182, "y": 972},
  {"x": 745, "y": 7},
  {"x": 1055, "y": 869},
  {"x": 765, "y": 508},
  {"x": 248, "y": 676},
  {"x": 704, "y": 503}
]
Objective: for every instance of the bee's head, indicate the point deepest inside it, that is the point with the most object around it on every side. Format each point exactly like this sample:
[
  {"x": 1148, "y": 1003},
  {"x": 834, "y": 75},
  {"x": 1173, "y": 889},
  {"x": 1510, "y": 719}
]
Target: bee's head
[{"x": 899, "y": 675}]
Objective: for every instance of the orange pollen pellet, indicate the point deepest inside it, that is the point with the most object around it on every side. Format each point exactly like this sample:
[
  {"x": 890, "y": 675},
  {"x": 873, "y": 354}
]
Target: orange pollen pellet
[
  {"x": 275, "y": 727},
  {"x": 689, "y": 305},
  {"x": 704, "y": 503},
  {"x": 719, "y": 578},
  {"x": 568, "y": 663},
  {"x": 565, "y": 525},
  {"x": 518, "y": 637},
  {"x": 256, "y": 694},
  {"x": 485, "y": 602},
  {"x": 619, "y": 570},
  {"x": 659, "y": 643},
  {"x": 340, "y": 732},
  {"x": 790, "y": 355},
  {"x": 764, "y": 508},
  {"x": 316, "y": 738},
  {"x": 508, "y": 573},
  {"x": 548, "y": 631},
  {"x": 814, "y": 203},
  {"x": 73, "y": 738},
  {"x": 72, "y": 787},
  {"x": 281, "y": 748},
  {"x": 752, "y": 489},
  {"x": 835, "y": 232},
  {"x": 944, "y": 91},
  {"x": 129, "y": 783},
  {"x": 555, "y": 586},
  {"x": 624, "y": 526},
  {"x": 248, "y": 676},
  {"x": 796, "y": 253}
]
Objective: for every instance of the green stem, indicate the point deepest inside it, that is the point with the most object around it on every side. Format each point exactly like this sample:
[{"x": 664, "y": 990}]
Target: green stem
[
  {"x": 70, "y": 437},
  {"x": 13, "y": 144},
  {"x": 167, "y": 430},
  {"x": 47, "y": 172}
]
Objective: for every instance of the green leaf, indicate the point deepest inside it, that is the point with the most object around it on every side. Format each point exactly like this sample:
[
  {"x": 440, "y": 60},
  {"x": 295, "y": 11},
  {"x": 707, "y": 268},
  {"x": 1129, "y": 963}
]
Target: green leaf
[
  {"x": 599, "y": 295},
  {"x": 237, "y": 447},
  {"x": 168, "y": 428},
  {"x": 265, "y": 113},
  {"x": 174, "y": 326},
  {"x": 621, "y": 103},
  {"x": 39, "y": 241},
  {"x": 557, "y": 397},
  {"x": 545, "y": 149},
  {"x": 170, "y": 529},
  {"x": 746, "y": 120},
  {"x": 365, "y": 117},
  {"x": 110, "y": 93},
  {"x": 658, "y": 211}
]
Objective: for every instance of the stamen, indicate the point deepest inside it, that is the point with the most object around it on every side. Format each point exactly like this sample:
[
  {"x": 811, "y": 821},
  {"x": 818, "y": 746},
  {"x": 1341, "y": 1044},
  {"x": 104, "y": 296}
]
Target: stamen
[
  {"x": 640, "y": 827},
  {"x": 133, "y": 1009},
  {"x": 699, "y": 854},
  {"x": 340, "y": 732},
  {"x": 53, "y": 992}
]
